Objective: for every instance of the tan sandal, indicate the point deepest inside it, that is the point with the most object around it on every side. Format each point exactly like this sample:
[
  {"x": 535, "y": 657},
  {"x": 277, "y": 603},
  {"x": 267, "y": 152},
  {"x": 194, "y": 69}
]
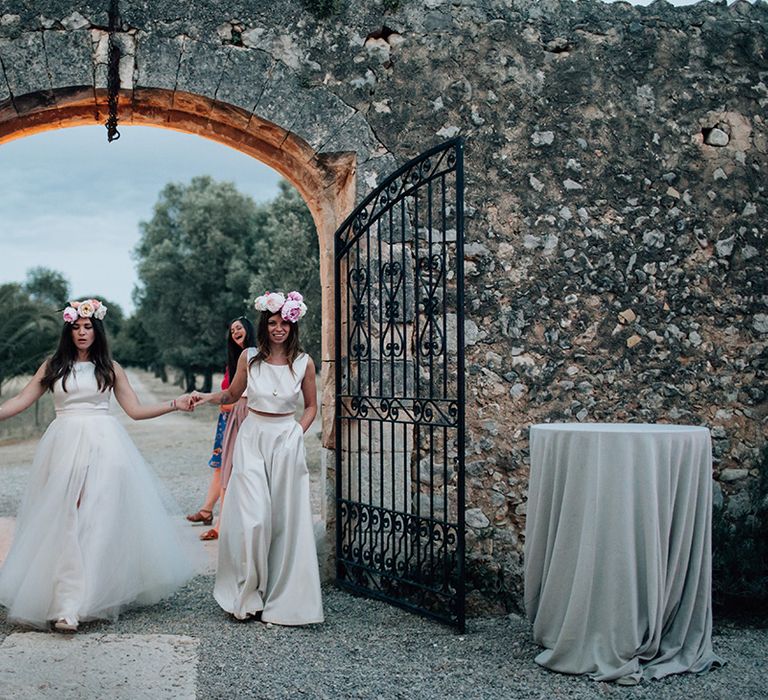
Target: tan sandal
[
  {"x": 202, "y": 517},
  {"x": 212, "y": 534},
  {"x": 62, "y": 625}
]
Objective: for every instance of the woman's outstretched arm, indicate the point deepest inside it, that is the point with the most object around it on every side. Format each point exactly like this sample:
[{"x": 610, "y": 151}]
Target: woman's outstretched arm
[
  {"x": 27, "y": 396},
  {"x": 130, "y": 403},
  {"x": 236, "y": 387}
]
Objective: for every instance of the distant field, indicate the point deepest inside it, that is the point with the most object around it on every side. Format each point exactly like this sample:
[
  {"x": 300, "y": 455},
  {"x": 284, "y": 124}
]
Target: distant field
[{"x": 31, "y": 422}]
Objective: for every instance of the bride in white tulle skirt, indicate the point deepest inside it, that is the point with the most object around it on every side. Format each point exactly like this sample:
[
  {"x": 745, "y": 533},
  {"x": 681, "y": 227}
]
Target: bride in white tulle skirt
[{"x": 92, "y": 535}]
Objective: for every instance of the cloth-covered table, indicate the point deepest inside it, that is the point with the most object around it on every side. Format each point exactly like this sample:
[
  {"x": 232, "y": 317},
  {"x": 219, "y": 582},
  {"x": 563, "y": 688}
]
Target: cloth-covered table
[{"x": 618, "y": 549}]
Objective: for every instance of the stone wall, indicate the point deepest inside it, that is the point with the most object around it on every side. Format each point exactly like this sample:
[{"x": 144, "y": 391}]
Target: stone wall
[{"x": 616, "y": 195}]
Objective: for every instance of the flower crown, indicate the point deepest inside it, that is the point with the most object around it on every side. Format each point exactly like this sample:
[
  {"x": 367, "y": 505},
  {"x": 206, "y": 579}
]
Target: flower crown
[
  {"x": 291, "y": 306},
  {"x": 84, "y": 309}
]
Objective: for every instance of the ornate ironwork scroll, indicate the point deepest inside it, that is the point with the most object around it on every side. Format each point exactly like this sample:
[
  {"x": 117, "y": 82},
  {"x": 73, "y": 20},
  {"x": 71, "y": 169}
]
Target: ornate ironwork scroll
[{"x": 399, "y": 302}]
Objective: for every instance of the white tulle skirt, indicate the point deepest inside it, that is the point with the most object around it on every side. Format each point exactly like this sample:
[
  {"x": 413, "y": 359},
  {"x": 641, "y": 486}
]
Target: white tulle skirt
[
  {"x": 267, "y": 554},
  {"x": 93, "y": 534}
]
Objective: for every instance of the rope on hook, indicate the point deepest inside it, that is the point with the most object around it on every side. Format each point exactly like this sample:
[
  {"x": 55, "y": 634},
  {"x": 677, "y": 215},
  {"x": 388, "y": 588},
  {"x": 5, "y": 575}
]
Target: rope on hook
[{"x": 113, "y": 73}]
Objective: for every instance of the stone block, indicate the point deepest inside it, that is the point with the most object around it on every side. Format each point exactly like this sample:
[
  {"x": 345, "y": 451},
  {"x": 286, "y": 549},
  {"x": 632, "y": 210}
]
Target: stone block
[
  {"x": 229, "y": 123},
  {"x": 733, "y": 474},
  {"x": 375, "y": 436},
  {"x": 355, "y": 136},
  {"x": 381, "y": 479},
  {"x": 319, "y": 115},
  {"x": 201, "y": 68},
  {"x": 34, "y": 102},
  {"x": 436, "y": 471},
  {"x": 372, "y": 172},
  {"x": 192, "y": 105},
  {"x": 5, "y": 95},
  {"x": 381, "y": 376},
  {"x": 126, "y": 44},
  {"x": 157, "y": 60},
  {"x": 153, "y": 104},
  {"x": 232, "y": 88},
  {"x": 278, "y": 101},
  {"x": 70, "y": 58},
  {"x": 25, "y": 66},
  {"x": 428, "y": 507}
]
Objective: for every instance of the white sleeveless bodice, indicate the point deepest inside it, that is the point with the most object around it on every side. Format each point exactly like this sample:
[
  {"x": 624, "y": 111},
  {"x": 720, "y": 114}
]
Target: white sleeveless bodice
[
  {"x": 275, "y": 388},
  {"x": 82, "y": 394}
]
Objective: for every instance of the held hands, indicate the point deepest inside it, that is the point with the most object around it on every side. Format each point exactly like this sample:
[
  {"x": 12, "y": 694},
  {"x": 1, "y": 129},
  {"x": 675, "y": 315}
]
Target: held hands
[
  {"x": 184, "y": 403},
  {"x": 197, "y": 397}
]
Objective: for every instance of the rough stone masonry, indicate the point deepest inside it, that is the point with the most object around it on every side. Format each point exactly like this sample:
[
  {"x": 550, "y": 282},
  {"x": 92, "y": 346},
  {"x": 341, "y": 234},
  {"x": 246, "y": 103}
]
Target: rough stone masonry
[{"x": 616, "y": 192}]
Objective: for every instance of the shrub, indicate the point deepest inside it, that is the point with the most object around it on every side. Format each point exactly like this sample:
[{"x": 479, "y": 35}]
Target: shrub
[{"x": 740, "y": 552}]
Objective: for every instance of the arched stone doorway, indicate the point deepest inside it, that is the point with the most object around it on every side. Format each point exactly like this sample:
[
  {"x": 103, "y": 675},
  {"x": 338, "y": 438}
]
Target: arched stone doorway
[
  {"x": 325, "y": 180},
  {"x": 240, "y": 89}
]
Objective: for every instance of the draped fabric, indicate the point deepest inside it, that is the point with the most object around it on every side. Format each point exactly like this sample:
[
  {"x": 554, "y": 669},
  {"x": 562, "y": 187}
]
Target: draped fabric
[
  {"x": 237, "y": 415},
  {"x": 618, "y": 549}
]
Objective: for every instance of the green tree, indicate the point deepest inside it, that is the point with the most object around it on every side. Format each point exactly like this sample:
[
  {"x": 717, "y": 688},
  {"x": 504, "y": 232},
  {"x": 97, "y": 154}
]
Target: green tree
[
  {"x": 195, "y": 259},
  {"x": 47, "y": 287},
  {"x": 289, "y": 258},
  {"x": 133, "y": 345},
  {"x": 28, "y": 333}
]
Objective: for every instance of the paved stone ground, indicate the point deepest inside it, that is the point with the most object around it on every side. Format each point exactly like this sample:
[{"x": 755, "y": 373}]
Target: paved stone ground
[
  {"x": 39, "y": 665},
  {"x": 186, "y": 647}
]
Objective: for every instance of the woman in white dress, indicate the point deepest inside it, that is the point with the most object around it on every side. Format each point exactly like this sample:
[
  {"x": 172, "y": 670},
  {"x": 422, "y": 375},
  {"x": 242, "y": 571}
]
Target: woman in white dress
[
  {"x": 92, "y": 534},
  {"x": 267, "y": 565}
]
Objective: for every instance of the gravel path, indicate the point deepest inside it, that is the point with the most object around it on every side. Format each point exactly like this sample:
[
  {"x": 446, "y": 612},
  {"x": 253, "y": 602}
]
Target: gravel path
[{"x": 365, "y": 649}]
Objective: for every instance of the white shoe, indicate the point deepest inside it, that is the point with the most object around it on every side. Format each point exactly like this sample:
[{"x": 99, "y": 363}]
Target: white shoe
[{"x": 62, "y": 625}]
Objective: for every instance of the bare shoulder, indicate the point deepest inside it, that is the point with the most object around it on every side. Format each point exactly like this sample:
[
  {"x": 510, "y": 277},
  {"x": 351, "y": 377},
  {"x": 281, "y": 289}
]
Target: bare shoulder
[
  {"x": 42, "y": 369},
  {"x": 310, "y": 363}
]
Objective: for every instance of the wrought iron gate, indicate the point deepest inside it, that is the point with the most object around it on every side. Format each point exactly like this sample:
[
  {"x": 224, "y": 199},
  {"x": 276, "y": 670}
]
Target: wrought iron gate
[{"x": 399, "y": 301}]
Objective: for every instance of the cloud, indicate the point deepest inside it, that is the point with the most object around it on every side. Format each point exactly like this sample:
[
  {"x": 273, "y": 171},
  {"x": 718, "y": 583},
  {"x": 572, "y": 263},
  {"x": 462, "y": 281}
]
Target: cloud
[{"x": 72, "y": 202}]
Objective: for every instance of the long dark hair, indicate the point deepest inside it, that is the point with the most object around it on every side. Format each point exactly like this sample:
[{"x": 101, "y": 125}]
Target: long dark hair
[
  {"x": 60, "y": 365},
  {"x": 233, "y": 349},
  {"x": 292, "y": 346}
]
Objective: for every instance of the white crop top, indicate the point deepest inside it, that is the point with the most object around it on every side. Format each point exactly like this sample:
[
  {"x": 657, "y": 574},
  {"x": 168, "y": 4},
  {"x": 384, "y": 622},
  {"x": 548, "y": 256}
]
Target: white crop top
[{"x": 275, "y": 388}]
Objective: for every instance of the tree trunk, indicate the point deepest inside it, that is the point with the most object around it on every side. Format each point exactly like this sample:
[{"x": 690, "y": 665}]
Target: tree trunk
[
  {"x": 159, "y": 371},
  {"x": 190, "y": 380},
  {"x": 207, "y": 380}
]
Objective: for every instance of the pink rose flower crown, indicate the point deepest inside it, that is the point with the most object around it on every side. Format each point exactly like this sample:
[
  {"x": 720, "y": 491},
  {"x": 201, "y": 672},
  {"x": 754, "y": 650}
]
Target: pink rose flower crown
[
  {"x": 291, "y": 306},
  {"x": 84, "y": 309}
]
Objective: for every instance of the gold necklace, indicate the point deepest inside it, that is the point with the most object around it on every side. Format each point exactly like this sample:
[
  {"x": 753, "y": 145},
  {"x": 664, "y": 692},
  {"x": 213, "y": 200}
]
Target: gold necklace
[{"x": 274, "y": 391}]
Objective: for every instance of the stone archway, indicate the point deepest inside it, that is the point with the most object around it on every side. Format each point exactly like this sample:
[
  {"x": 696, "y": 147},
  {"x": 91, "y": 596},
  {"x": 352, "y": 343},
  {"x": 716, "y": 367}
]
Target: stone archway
[
  {"x": 242, "y": 88},
  {"x": 326, "y": 181}
]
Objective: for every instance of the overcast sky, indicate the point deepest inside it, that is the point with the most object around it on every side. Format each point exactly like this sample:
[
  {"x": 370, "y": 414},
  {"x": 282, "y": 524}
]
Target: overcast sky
[{"x": 72, "y": 202}]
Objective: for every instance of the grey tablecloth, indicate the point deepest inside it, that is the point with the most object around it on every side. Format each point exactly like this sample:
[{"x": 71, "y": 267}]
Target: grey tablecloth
[{"x": 618, "y": 549}]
